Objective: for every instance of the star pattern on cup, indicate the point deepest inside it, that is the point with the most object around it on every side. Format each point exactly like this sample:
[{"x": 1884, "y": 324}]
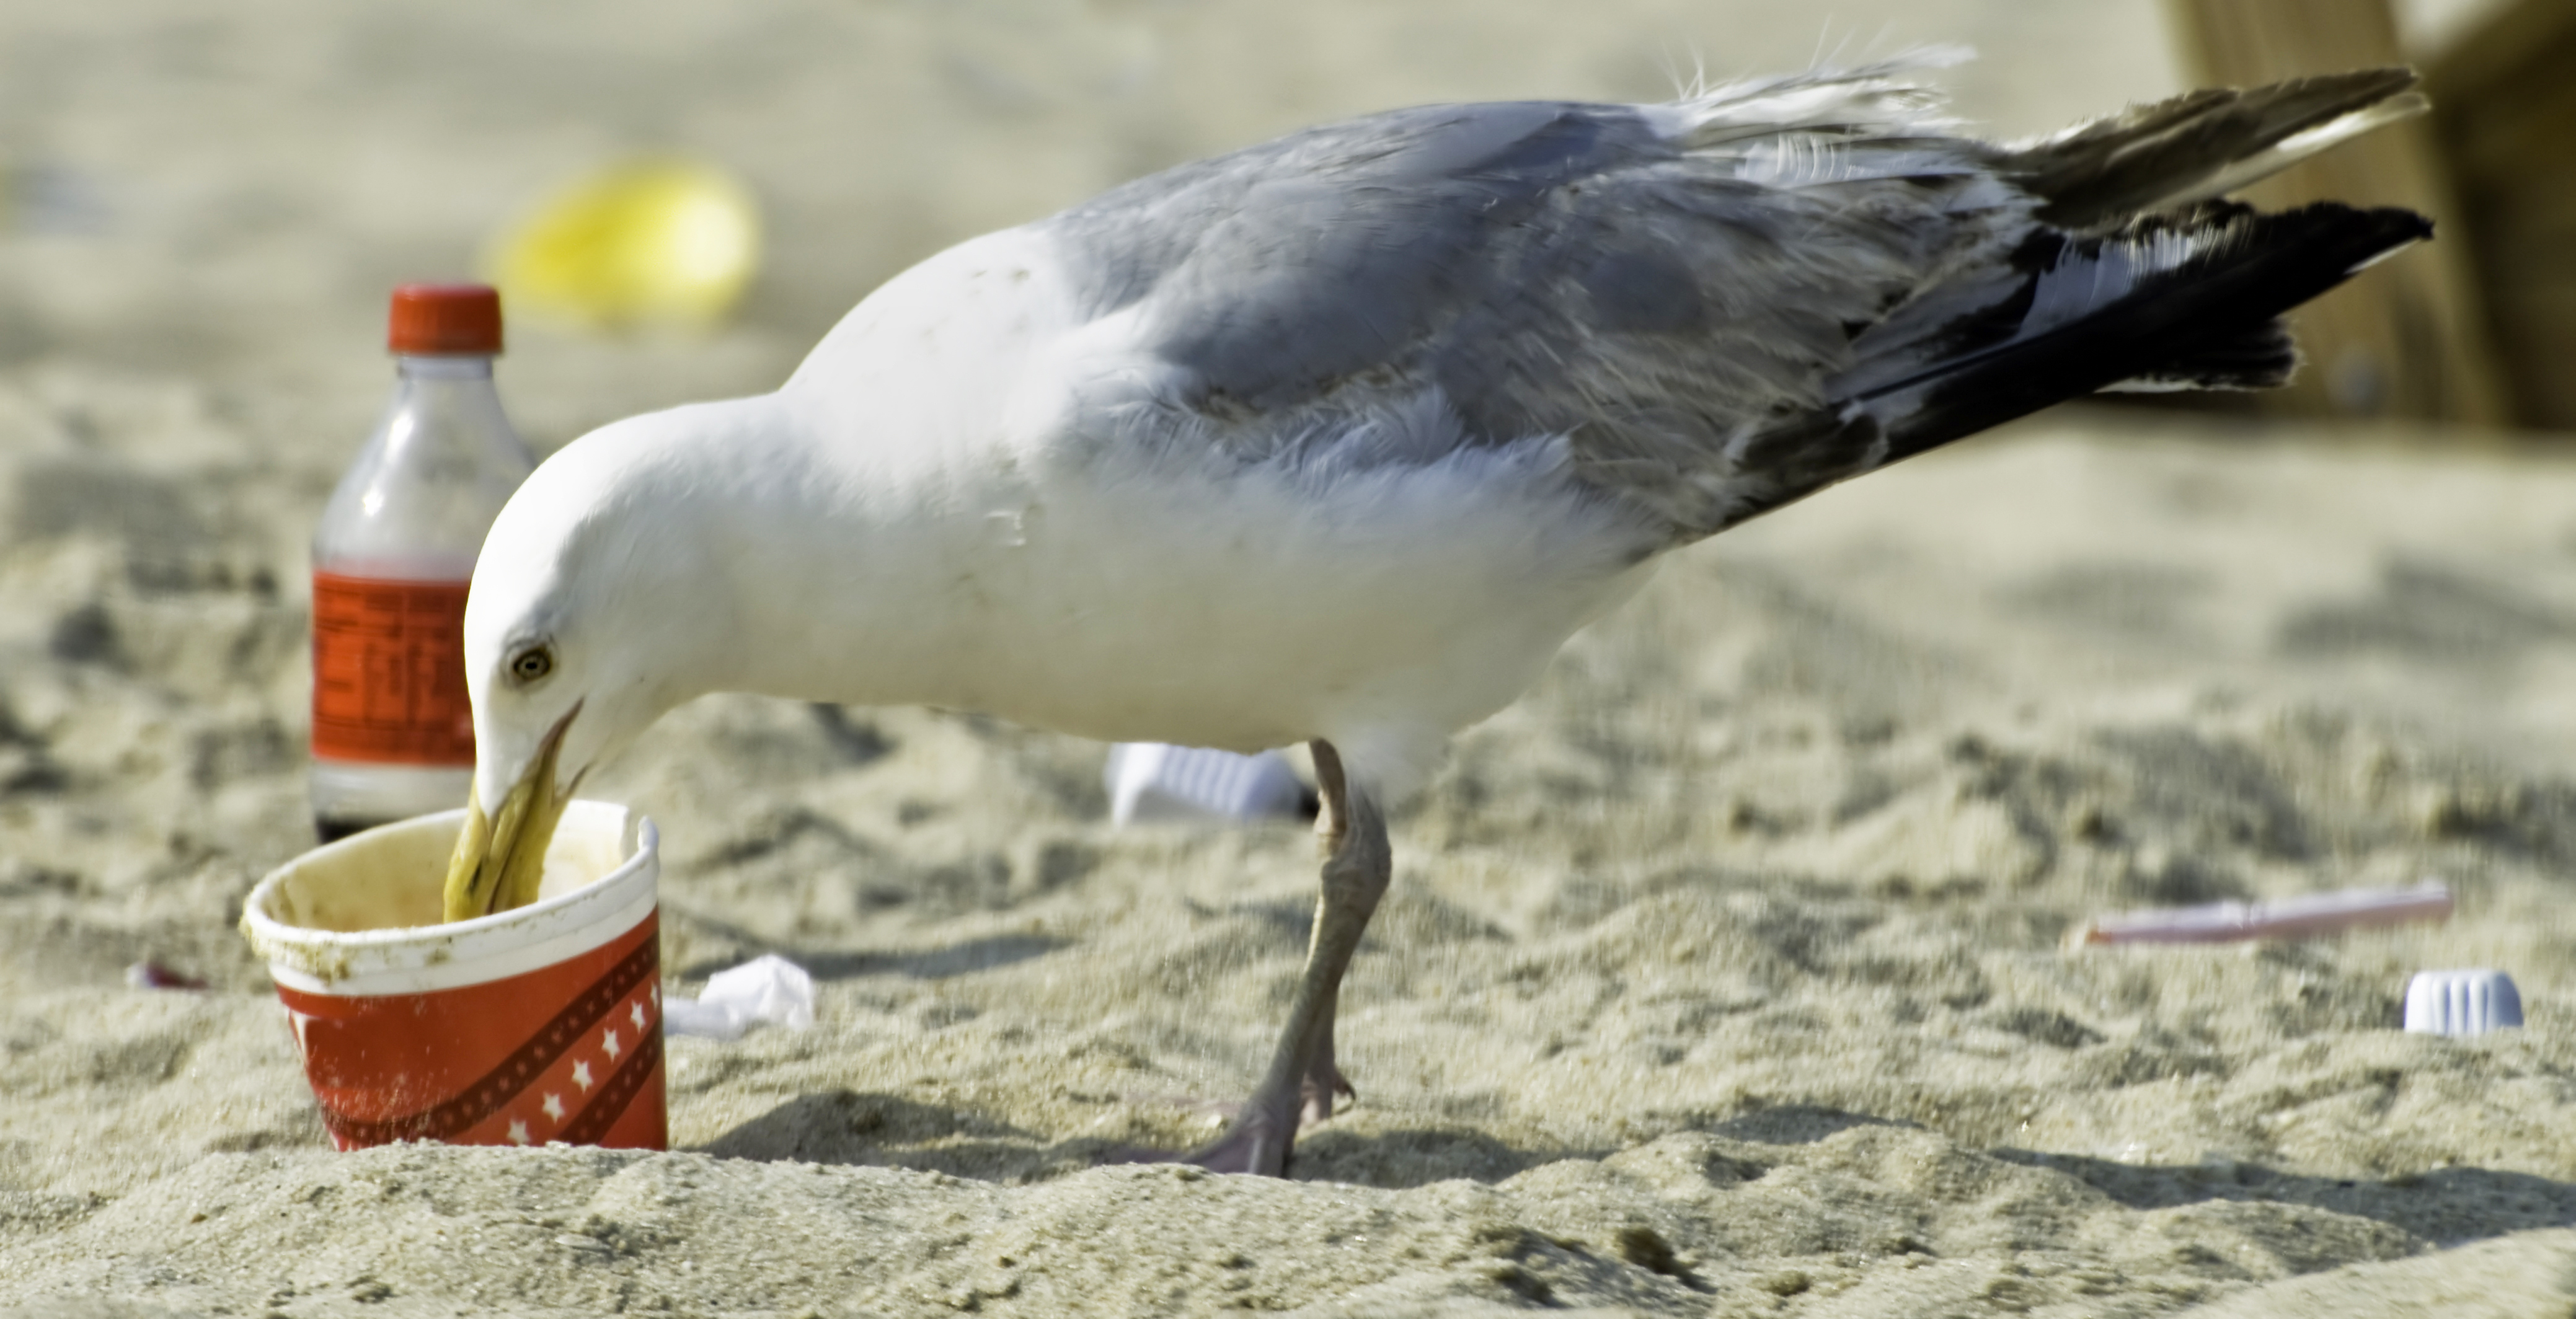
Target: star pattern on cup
[{"x": 551, "y": 1104}]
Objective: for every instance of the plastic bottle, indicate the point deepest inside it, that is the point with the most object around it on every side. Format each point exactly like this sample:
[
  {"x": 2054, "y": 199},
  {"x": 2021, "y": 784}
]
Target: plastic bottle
[{"x": 393, "y": 733}]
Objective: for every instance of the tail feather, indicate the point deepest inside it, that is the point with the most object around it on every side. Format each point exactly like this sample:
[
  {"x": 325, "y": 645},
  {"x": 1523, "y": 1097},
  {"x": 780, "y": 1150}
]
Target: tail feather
[
  {"x": 2186, "y": 300},
  {"x": 2254, "y": 268},
  {"x": 2202, "y": 144},
  {"x": 2103, "y": 258}
]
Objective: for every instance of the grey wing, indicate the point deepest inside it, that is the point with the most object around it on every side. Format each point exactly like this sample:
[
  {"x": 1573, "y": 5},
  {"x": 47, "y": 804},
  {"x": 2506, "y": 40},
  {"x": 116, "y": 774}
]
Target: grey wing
[
  {"x": 1549, "y": 269},
  {"x": 1724, "y": 305}
]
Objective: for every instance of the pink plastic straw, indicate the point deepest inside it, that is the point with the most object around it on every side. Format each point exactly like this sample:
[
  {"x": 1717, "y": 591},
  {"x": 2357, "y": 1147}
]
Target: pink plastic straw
[{"x": 2290, "y": 918}]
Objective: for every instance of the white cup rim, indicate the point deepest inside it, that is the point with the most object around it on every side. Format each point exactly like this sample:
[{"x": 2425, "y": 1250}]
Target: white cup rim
[{"x": 419, "y": 958}]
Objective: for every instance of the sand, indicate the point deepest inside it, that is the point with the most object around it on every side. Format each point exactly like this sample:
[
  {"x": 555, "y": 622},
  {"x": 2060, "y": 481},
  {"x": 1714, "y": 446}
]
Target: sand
[{"x": 1722, "y": 975}]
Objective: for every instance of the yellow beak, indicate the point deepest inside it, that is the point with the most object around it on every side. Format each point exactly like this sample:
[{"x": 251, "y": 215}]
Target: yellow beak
[{"x": 501, "y": 857}]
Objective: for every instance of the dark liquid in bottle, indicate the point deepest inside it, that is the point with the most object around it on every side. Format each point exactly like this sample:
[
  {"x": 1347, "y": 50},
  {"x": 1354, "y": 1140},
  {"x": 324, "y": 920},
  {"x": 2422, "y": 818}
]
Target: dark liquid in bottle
[{"x": 331, "y": 829}]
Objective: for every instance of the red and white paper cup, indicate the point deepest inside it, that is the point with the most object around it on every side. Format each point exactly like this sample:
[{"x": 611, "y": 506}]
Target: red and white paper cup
[{"x": 536, "y": 1025}]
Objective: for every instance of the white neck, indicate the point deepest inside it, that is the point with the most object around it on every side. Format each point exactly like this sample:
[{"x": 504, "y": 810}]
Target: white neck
[{"x": 851, "y": 554}]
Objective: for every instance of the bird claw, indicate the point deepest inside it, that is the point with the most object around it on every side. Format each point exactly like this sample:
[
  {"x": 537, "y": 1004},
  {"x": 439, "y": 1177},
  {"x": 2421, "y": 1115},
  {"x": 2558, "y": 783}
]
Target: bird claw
[
  {"x": 1260, "y": 1138},
  {"x": 1253, "y": 1144},
  {"x": 1318, "y": 1092}
]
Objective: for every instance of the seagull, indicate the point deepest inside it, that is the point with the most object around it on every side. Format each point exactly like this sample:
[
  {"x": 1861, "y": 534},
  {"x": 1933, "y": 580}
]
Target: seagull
[{"x": 1338, "y": 438}]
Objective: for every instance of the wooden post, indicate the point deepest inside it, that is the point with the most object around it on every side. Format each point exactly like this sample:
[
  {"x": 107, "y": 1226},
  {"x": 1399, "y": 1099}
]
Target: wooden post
[
  {"x": 2504, "y": 102},
  {"x": 2409, "y": 339}
]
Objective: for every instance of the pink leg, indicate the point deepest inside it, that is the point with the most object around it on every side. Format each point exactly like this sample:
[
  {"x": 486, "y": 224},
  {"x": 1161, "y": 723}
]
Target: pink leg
[
  {"x": 1323, "y": 1083},
  {"x": 1302, "y": 1080}
]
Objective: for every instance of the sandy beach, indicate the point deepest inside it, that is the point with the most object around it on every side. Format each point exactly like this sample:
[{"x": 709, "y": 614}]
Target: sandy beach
[{"x": 1725, "y": 974}]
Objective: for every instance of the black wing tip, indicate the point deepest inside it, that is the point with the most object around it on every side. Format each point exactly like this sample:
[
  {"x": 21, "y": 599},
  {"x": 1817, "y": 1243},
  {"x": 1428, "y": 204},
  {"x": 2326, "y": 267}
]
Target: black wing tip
[
  {"x": 2257, "y": 355},
  {"x": 2369, "y": 234},
  {"x": 2207, "y": 319}
]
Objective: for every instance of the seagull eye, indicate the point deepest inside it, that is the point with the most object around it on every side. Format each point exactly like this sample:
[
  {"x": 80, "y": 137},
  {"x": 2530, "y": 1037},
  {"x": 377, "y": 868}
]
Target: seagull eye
[{"x": 532, "y": 664}]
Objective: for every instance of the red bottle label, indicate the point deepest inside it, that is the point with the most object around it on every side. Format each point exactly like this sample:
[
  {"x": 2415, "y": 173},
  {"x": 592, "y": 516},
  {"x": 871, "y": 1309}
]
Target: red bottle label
[{"x": 389, "y": 671}]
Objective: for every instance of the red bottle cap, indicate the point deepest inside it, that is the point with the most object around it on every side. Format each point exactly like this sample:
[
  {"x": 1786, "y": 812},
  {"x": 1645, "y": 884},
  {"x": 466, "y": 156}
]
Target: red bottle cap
[{"x": 453, "y": 319}]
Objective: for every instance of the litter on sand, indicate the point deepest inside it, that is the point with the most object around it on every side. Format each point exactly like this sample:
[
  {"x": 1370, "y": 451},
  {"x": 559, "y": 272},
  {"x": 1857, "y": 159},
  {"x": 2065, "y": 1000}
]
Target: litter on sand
[
  {"x": 153, "y": 975},
  {"x": 2289, "y": 918},
  {"x": 1150, "y": 782},
  {"x": 767, "y": 988},
  {"x": 2462, "y": 1002},
  {"x": 665, "y": 242}
]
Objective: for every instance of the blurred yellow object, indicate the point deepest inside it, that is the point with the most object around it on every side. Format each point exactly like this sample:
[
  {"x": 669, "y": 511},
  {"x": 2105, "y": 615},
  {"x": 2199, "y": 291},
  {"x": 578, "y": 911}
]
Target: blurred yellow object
[{"x": 643, "y": 244}]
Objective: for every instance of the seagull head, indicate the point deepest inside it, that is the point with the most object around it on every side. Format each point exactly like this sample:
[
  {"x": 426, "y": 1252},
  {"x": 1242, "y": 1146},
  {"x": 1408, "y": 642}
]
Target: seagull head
[{"x": 591, "y": 614}]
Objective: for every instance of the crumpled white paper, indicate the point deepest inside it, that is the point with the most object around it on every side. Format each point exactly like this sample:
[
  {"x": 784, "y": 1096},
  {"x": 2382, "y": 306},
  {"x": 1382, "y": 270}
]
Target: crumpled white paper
[{"x": 767, "y": 988}]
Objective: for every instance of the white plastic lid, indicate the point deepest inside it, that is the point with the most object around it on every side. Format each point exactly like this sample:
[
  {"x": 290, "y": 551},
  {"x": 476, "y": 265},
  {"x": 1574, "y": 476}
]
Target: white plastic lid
[{"x": 2462, "y": 1002}]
